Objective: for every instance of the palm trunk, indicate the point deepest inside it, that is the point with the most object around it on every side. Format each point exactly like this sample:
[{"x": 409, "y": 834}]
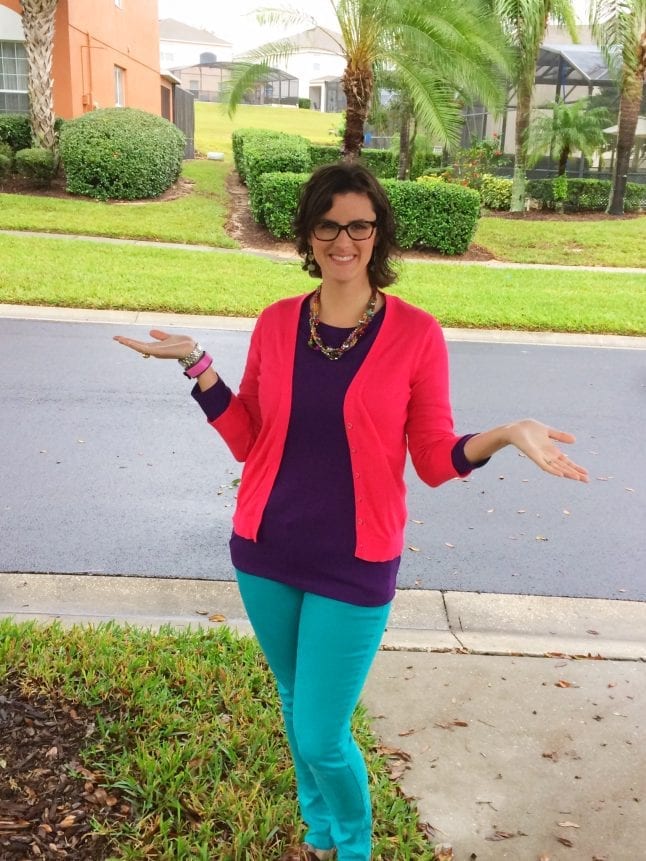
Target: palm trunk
[
  {"x": 403, "y": 171},
  {"x": 38, "y": 24},
  {"x": 357, "y": 85},
  {"x": 629, "y": 105},
  {"x": 563, "y": 157},
  {"x": 524, "y": 100}
]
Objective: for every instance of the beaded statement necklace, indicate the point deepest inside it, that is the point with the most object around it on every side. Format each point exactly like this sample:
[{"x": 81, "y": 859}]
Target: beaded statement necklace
[{"x": 335, "y": 353}]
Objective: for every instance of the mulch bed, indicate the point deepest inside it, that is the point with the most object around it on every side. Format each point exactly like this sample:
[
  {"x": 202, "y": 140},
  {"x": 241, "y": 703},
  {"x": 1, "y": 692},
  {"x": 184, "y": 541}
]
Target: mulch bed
[{"x": 47, "y": 797}]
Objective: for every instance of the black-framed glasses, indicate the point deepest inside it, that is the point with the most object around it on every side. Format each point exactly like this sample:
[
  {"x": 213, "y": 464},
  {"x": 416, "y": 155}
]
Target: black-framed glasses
[{"x": 326, "y": 231}]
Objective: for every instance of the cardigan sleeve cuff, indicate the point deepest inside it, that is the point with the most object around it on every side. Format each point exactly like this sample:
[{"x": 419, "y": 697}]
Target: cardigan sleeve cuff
[
  {"x": 460, "y": 463},
  {"x": 214, "y": 401}
]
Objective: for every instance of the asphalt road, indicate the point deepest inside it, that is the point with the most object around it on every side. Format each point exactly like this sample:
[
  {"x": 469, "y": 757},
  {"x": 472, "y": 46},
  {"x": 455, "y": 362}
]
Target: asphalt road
[{"x": 107, "y": 466}]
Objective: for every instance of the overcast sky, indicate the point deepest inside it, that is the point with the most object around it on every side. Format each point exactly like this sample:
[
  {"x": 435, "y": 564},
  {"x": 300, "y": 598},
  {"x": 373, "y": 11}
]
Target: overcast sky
[{"x": 228, "y": 19}]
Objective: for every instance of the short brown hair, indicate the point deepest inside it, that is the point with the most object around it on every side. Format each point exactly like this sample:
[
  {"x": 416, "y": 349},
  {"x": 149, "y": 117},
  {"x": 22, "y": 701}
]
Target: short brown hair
[{"x": 317, "y": 198}]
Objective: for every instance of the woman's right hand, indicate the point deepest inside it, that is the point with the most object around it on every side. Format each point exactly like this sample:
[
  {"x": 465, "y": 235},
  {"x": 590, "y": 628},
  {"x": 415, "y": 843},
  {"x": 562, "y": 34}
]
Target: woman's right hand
[{"x": 164, "y": 346}]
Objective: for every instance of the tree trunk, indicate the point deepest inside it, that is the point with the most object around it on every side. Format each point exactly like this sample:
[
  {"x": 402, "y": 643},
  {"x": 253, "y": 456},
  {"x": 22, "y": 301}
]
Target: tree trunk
[
  {"x": 403, "y": 171},
  {"x": 629, "y": 104},
  {"x": 523, "y": 101},
  {"x": 38, "y": 25},
  {"x": 357, "y": 85},
  {"x": 563, "y": 157}
]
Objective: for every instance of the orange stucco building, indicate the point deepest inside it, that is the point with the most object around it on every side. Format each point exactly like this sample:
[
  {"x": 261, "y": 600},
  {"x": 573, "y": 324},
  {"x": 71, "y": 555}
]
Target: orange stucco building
[{"x": 106, "y": 54}]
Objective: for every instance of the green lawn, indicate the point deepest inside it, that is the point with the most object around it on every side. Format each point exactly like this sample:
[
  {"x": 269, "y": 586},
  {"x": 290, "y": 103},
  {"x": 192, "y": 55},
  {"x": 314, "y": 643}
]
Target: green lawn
[
  {"x": 187, "y": 732},
  {"x": 611, "y": 242},
  {"x": 87, "y": 274},
  {"x": 213, "y": 126}
]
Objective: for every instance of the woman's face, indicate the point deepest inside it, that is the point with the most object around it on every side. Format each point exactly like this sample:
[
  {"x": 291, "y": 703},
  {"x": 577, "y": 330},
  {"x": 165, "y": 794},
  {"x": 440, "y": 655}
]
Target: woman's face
[{"x": 345, "y": 260}]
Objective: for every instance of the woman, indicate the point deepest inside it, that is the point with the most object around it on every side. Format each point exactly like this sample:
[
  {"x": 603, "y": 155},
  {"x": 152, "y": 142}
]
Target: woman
[{"x": 338, "y": 386}]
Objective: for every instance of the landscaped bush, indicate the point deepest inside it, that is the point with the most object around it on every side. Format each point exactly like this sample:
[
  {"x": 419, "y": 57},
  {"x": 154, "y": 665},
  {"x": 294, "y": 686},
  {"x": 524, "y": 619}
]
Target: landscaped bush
[
  {"x": 495, "y": 191},
  {"x": 5, "y": 165},
  {"x": 583, "y": 195},
  {"x": 440, "y": 215},
  {"x": 382, "y": 162},
  {"x": 238, "y": 140},
  {"x": 305, "y": 104},
  {"x": 15, "y": 130},
  {"x": 35, "y": 164},
  {"x": 121, "y": 153},
  {"x": 279, "y": 154},
  {"x": 436, "y": 215},
  {"x": 275, "y": 201},
  {"x": 6, "y": 150},
  {"x": 321, "y": 154}
]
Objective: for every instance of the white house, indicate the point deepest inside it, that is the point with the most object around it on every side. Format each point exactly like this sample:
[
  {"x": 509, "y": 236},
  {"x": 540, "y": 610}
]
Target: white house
[
  {"x": 317, "y": 62},
  {"x": 181, "y": 45}
]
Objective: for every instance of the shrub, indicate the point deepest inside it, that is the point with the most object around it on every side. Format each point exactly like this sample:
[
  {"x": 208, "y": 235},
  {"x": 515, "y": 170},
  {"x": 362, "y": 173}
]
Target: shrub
[
  {"x": 5, "y": 166},
  {"x": 583, "y": 195},
  {"x": 324, "y": 154},
  {"x": 36, "y": 164},
  {"x": 440, "y": 215},
  {"x": 305, "y": 104},
  {"x": 276, "y": 154},
  {"x": 6, "y": 150},
  {"x": 436, "y": 215},
  {"x": 276, "y": 197},
  {"x": 120, "y": 153},
  {"x": 238, "y": 140},
  {"x": 382, "y": 162},
  {"x": 15, "y": 130},
  {"x": 495, "y": 191}
]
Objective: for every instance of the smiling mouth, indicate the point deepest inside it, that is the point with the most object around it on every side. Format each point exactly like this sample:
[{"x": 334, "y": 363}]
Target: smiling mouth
[{"x": 342, "y": 258}]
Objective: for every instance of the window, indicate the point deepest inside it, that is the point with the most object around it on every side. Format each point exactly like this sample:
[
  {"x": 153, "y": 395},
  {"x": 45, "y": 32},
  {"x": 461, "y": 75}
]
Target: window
[
  {"x": 119, "y": 87},
  {"x": 14, "y": 98},
  {"x": 194, "y": 85}
]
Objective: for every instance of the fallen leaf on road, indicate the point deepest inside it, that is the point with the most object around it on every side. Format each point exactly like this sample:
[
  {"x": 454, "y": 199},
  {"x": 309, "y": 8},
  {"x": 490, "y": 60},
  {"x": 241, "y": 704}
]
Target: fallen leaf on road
[
  {"x": 217, "y": 617},
  {"x": 562, "y": 683},
  {"x": 417, "y": 521},
  {"x": 406, "y": 732},
  {"x": 501, "y": 835},
  {"x": 568, "y": 825},
  {"x": 565, "y": 841},
  {"x": 552, "y": 754},
  {"x": 414, "y": 549},
  {"x": 541, "y": 538},
  {"x": 453, "y": 545},
  {"x": 202, "y": 612},
  {"x": 443, "y": 852},
  {"x": 592, "y": 631}
]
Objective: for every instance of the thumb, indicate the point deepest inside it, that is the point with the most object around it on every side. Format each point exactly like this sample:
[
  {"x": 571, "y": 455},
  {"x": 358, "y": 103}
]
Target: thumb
[
  {"x": 158, "y": 334},
  {"x": 561, "y": 436}
]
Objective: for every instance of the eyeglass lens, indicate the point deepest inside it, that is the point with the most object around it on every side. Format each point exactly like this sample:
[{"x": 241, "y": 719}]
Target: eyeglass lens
[{"x": 328, "y": 230}]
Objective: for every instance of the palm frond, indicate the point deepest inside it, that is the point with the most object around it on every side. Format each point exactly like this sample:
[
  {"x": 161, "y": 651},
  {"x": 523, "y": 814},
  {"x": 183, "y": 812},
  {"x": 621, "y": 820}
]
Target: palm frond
[{"x": 244, "y": 78}]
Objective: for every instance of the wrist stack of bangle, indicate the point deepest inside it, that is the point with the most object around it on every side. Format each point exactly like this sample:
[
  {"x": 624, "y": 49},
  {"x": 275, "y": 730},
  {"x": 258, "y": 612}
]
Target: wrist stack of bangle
[{"x": 197, "y": 361}]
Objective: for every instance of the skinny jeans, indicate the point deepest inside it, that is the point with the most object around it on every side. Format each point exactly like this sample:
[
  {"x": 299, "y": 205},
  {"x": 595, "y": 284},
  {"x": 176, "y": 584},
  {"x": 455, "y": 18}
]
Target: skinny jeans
[{"x": 320, "y": 651}]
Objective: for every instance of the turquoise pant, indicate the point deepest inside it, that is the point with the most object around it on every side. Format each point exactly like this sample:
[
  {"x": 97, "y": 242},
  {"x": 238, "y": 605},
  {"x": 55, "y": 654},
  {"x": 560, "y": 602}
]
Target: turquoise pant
[{"x": 320, "y": 651}]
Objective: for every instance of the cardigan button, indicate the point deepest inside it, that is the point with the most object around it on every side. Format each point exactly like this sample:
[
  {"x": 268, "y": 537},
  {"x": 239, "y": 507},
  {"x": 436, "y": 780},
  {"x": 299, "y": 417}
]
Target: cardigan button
[
  {"x": 349, "y": 425},
  {"x": 357, "y": 475}
]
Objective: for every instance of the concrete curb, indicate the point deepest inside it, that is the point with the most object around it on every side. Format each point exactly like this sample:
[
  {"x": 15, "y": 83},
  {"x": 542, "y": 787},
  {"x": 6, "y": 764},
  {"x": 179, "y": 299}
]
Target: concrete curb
[
  {"x": 426, "y": 621},
  {"x": 246, "y": 324}
]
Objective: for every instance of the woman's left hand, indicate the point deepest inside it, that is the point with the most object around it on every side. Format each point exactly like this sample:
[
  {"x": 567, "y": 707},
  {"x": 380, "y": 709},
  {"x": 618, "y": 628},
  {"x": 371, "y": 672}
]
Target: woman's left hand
[{"x": 536, "y": 441}]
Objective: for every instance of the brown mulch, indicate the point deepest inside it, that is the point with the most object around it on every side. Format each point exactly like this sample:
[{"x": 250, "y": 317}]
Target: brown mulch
[
  {"x": 17, "y": 185},
  {"x": 47, "y": 797}
]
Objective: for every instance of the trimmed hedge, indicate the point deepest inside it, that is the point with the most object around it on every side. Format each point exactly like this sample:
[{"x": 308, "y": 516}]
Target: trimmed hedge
[
  {"x": 120, "y": 153},
  {"x": 321, "y": 154},
  {"x": 583, "y": 195},
  {"x": 277, "y": 196},
  {"x": 5, "y": 166},
  {"x": 437, "y": 215},
  {"x": 440, "y": 216},
  {"x": 36, "y": 164},
  {"x": 495, "y": 191},
  {"x": 256, "y": 151},
  {"x": 16, "y": 131}
]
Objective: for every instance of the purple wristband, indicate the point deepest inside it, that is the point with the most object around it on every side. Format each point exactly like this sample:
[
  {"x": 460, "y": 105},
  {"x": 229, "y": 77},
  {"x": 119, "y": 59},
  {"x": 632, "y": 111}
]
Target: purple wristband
[{"x": 199, "y": 367}]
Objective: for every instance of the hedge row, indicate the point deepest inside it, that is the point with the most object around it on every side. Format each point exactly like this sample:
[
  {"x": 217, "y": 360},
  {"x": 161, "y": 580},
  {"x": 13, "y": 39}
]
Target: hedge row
[
  {"x": 440, "y": 216},
  {"x": 583, "y": 194},
  {"x": 15, "y": 130}
]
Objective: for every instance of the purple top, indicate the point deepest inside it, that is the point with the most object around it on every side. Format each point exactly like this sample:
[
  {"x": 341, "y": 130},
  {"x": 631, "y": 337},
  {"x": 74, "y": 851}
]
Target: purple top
[{"x": 307, "y": 535}]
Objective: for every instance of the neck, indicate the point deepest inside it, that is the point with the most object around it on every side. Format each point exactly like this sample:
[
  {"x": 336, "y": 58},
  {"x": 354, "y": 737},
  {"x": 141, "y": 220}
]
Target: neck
[{"x": 343, "y": 305}]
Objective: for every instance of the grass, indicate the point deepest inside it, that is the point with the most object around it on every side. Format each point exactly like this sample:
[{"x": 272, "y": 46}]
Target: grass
[
  {"x": 90, "y": 275},
  {"x": 213, "y": 126},
  {"x": 611, "y": 242},
  {"x": 189, "y": 731},
  {"x": 196, "y": 218}
]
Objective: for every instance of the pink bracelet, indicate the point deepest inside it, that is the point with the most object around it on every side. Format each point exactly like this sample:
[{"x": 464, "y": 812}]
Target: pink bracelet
[{"x": 199, "y": 367}]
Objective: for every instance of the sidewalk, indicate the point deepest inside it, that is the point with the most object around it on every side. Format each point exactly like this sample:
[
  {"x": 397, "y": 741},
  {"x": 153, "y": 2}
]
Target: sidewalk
[{"x": 515, "y": 721}]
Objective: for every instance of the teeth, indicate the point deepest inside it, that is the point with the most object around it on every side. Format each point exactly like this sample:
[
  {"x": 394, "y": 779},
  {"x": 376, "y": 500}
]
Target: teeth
[{"x": 338, "y": 257}]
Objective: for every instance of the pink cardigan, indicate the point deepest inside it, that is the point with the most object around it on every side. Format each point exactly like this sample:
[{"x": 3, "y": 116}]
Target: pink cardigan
[{"x": 398, "y": 399}]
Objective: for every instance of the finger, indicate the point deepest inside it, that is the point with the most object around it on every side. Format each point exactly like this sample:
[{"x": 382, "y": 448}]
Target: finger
[
  {"x": 560, "y": 436},
  {"x": 139, "y": 346},
  {"x": 158, "y": 334}
]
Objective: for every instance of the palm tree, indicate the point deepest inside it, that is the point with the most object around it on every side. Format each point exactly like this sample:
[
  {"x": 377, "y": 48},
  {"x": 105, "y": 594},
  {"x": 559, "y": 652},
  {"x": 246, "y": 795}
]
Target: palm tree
[
  {"x": 569, "y": 128},
  {"x": 525, "y": 22},
  {"x": 619, "y": 27},
  {"x": 38, "y": 25},
  {"x": 438, "y": 50}
]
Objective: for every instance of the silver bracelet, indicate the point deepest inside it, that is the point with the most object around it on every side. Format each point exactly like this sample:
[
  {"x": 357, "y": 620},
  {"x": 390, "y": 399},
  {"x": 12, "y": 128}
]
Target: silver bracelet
[{"x": 194, "y": 356}]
